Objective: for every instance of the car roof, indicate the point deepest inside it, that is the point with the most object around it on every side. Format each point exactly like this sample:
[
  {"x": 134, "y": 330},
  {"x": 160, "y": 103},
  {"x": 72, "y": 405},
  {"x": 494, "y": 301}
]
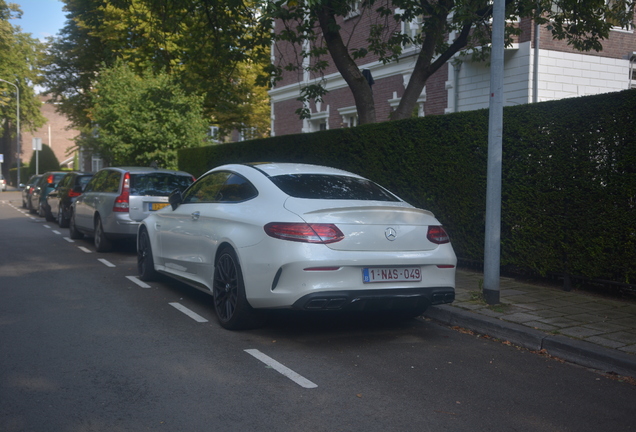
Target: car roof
[
  {"x": 273, "y": 169},
  {"x": 145, "y": 170}
]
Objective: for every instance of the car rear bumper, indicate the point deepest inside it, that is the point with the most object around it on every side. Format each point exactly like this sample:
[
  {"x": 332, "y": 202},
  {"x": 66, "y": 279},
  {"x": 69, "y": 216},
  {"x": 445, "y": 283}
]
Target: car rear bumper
[{"x": 376, "y": 300}]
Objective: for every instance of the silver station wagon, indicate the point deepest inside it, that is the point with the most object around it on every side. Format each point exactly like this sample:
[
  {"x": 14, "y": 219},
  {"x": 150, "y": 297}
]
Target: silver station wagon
[{"x": 117, "y": 198}]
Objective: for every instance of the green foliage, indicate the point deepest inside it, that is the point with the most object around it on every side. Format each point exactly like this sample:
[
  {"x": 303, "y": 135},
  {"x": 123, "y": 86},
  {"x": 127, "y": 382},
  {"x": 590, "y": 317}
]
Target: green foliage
[
  {"x": 46, "y": 161},
  {"x": 141, "y": 119},
  {"x": 215, "y": 49},
  {"x": 569, "y": 177},
  {"x": 20, "y": 65}
]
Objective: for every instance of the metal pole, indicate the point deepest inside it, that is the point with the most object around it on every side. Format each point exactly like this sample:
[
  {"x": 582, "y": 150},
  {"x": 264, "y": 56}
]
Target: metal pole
[
  {"x": 492, "y": 246},
  {"x": 17, "y": 91},
  {"x": 535, "y": 75}
]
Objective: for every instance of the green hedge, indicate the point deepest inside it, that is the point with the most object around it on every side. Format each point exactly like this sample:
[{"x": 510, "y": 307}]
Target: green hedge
[{"x": 569, "y": 177}]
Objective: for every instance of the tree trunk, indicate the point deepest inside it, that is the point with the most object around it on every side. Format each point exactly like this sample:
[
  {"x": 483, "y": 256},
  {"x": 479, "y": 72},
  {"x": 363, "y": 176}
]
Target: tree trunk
[{"x": 358, "y": 84}]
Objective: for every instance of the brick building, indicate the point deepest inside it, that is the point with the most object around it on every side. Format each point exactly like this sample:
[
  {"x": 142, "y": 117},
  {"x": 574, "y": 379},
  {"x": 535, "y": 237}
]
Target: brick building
[
  {"x": 537, "y": 68},
  {"x": 56, "y": 133}
]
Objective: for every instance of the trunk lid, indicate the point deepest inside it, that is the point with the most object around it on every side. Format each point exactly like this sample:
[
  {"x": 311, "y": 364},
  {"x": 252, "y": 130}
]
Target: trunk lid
[{"x": 369, "y": 226}]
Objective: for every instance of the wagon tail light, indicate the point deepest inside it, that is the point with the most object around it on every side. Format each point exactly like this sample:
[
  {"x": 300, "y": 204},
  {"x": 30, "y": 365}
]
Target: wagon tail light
[
  {"x": 437, "y": 234},
  {"x": 304, "y": 233},
  {"x": 73, "y": 194},
  {"x": 122, "y": 201}
]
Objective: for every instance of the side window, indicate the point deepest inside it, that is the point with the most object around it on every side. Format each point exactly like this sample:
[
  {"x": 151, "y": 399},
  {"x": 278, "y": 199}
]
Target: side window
[
  {"x": 236, "y": 189},
  {"x": 206, "y": 189},
  {"x": 111, "y": 183},
  {"x": 96, "y": 182}
]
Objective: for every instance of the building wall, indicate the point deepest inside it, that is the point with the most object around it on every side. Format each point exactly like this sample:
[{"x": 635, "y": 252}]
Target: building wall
[
  {"x": 465, "y": 85},
  {"x": 60, "y": 138}
]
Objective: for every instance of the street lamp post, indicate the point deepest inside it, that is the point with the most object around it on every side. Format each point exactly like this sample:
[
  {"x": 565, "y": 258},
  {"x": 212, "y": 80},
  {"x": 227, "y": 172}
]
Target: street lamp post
[{"x": 17, "y": 91}]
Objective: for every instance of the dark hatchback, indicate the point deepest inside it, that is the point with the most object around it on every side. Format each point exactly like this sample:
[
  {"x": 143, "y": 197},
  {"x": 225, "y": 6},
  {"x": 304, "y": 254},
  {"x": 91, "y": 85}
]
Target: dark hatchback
[
  {"x": 28, "y": 189},
  {"x": 60, "y": 199},
  {"x": 43, "y": 187}
]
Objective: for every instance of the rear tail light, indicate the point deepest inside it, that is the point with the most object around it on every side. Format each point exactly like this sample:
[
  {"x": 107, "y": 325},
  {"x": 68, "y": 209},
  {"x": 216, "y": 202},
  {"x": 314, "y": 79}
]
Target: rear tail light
[
  {"x": 122, "y": 201},
  {"x": 436, "y": 234},
  {"x": 304, "y": 233},
  {"x": 73, "y": 194}
]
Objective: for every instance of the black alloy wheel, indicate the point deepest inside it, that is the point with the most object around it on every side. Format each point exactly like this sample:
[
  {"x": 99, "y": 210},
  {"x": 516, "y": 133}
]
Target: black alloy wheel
[
  {"x": 61, "y": 220},
  {"x": 74, "y": 233},
  {"x": 145, "y": 260},
  {"x": 230, "y": 303},
  {"x": 102, "y": 244}
]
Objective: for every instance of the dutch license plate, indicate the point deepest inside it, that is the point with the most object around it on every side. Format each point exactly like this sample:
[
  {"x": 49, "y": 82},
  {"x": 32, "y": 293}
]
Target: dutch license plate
[
  {"x": 391, "y": 274},
  {"x": 158, "y": 206}
]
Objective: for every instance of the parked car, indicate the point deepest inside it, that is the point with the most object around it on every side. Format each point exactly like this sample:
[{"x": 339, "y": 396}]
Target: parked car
[
  {"x": 59, "y": 200},
  {"x": 27, "y": 190},
  {"x": 43, "y": 187},
  {"x": 116, "y": 199},
  {"x": 261, "y": 236},
  {"x": 3, "y": 183}
]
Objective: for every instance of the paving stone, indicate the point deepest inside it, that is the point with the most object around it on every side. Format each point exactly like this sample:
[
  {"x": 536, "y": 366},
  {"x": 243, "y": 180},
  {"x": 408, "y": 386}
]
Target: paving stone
[
  {"x": 524, "y": 298},
  {"x": 628, "y": 322},
  {"x": 540, "y": 326},
  {"x": 580, "y": 332},
  {"x": 548, "y": 313},
  {"x": 511, "y": 292},
  {"x": 531, "y": 306},
  {"x": 600, "y": 340},
  {"x": 556, "y": 303},
  {"x": 589, "y": 318},
  {"x": 629, "y": 349},
  {"x": 597, "y": 307},
  {"x": 628, "y": 338},
  {"x": 606, "y": 327},
  {"x": 561, "y": 322},
  {"x": 519, "y": 317},
  {"x": 571, "y": 310}
]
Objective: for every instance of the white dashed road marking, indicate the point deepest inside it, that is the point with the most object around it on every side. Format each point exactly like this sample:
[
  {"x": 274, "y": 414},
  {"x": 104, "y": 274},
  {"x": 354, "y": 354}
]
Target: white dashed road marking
[
  {"x": 69, "y": 240},
  {"x": 138, "y": 282},
  {"x": 188, "y": 312},
  {"x": 56, "y": 232},
  {"x": 83, "y": 249},
  {"x": 298, "y": 379},
  {"x": 106, "y": 262}
]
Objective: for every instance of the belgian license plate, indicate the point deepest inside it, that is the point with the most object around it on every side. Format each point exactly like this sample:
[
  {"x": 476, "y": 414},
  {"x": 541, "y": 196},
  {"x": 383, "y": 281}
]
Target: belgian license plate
[
  {"x": 391, "y": 274},
  {"x": 158, "y": 206}
]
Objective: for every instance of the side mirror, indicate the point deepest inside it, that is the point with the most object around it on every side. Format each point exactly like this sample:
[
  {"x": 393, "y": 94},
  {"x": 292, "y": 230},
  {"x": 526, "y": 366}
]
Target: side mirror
[
  {"x": 21, "y": 185},
  {"x": 175, "y": 199}
]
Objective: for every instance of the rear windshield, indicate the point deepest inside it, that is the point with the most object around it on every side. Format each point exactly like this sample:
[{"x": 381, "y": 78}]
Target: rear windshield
[
  {"x": 158, "y": 184},
  {"x": 321, "y": 186}
]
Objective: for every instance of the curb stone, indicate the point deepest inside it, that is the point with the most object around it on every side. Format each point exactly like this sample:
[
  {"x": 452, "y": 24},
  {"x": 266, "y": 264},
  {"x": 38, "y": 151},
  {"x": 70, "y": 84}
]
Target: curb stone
[{"x": 572, "y": 350}]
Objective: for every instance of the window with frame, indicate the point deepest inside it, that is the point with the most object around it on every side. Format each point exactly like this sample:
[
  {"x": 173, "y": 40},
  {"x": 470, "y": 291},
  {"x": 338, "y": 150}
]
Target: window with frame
[
  {"x": 220, "y": 187},
  {"x": 412, "y": 29}
]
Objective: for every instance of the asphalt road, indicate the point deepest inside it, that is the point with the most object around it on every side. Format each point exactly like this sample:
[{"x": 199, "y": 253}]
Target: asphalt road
[{"x": 85, "y": 348}]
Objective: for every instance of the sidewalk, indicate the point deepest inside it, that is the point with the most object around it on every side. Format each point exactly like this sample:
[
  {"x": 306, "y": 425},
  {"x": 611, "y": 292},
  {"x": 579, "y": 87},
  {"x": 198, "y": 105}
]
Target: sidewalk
[{"x": 575, "y": 326}]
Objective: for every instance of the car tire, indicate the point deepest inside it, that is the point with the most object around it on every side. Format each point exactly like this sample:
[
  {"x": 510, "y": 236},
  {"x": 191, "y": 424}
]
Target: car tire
[
  {"x": 48, "y": 215},
  {"x": 228, "y": 289},
  {"x": 102, "y": 244},
  {"x": 74, "y": 234},
  {"x": 145, "y": 260},
  {"x": 61, "y": 220}
]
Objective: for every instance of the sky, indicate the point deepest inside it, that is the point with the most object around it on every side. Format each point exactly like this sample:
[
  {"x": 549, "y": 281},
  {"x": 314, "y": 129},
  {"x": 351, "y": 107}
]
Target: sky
[{"x": 41, "y": 18}]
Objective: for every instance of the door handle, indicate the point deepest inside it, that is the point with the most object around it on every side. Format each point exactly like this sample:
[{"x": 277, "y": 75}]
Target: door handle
[{"x": 195, "y": 215}]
